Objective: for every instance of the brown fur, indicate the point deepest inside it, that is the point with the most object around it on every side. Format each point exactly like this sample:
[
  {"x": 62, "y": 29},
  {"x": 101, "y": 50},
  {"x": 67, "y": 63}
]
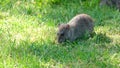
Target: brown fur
[{"x": 77, "y": 27}]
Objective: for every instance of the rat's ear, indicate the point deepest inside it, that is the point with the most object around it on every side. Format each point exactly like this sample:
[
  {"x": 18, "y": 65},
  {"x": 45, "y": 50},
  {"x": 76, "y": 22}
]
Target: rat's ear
[{"x": 67, "y": 26}]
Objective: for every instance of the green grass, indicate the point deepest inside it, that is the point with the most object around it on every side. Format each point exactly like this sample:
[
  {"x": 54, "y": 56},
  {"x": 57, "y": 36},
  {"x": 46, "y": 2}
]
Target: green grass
[{"x": 28, "y": 30}]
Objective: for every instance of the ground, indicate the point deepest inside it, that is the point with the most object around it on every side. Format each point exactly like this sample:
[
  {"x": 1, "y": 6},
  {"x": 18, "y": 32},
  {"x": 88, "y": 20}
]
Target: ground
[{"x": 28, "y": 31}]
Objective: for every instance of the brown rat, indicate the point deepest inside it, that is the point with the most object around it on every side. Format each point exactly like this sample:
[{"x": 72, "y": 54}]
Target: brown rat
[{"x": 75, "y": 28}]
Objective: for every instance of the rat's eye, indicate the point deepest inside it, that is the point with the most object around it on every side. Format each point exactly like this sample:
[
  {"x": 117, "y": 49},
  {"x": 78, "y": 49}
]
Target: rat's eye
[{"x": 62, "y": 34}]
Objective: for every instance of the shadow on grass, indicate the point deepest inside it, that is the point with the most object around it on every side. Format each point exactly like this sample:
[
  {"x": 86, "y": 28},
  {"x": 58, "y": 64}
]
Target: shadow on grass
[
  {"x": 78, "y": 55},
  {"x": 51, "y": 51},
  {"x": 101, "y": 38}
]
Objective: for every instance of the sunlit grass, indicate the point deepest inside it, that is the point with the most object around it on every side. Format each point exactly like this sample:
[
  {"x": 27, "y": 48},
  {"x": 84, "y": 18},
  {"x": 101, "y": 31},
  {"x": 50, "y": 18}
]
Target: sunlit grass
[{"x": 28, "y": 32}]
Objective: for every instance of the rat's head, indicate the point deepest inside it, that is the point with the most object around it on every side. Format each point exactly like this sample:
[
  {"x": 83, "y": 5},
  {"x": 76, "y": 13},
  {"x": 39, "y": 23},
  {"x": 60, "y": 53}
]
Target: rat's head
[{"x": 62, "y": 33}]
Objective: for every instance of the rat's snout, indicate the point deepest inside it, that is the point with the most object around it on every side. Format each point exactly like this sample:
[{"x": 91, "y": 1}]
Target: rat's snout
[{"x": 59, "y": 40}]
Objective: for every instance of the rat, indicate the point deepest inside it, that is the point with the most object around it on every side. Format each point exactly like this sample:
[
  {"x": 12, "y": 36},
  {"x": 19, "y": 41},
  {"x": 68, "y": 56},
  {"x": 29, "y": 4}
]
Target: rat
[{"x": 75, "y": 28}]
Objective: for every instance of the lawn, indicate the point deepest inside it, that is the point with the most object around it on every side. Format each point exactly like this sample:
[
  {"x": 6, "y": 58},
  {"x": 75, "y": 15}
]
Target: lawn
[{"x": 28, "y": 31}]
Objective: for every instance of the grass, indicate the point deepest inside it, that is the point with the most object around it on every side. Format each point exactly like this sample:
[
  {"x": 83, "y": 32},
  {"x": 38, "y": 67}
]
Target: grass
[{"x": 28, "y": 30}]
